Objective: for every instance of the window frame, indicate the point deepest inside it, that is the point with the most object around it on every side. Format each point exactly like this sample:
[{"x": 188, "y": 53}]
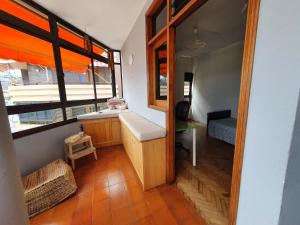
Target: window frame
[{"x": 14, "y": 22}]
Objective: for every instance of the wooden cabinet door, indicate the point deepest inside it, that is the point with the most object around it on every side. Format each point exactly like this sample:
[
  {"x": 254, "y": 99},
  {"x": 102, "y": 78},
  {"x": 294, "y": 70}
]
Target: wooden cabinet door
[
  {"x": 99, "y": 130},
  {"x": 116, "y": 131}
]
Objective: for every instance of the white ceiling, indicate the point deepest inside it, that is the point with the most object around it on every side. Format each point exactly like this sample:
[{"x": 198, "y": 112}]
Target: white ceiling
[
  {"x": 109, "y": 21},
  {"x": 224, "y": 19}
]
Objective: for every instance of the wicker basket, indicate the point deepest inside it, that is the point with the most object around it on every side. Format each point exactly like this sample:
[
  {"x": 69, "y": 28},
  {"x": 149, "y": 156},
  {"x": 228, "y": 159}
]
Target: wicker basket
[{"x": 48, "y": 186}]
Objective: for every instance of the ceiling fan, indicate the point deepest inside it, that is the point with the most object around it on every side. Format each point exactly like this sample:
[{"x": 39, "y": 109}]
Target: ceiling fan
[{"x": 198, "y": 42}]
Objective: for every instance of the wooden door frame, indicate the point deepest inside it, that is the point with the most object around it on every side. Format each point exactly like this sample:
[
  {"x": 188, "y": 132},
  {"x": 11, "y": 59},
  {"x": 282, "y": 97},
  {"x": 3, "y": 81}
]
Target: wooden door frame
[{"x": 246, "y": 79}]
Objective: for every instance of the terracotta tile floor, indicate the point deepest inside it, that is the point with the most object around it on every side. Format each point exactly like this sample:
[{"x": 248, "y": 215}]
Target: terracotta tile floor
[{"x": 109, "y": 192}]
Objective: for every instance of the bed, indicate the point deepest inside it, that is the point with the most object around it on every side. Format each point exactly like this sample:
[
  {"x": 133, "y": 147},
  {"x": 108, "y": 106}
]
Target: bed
[{"x": 222, "y": 126}]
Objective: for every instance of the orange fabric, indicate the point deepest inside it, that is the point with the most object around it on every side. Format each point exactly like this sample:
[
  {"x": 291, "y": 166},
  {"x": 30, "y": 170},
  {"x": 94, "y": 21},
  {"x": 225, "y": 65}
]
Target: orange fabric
[
  {"x": 22, "y": 47},
  {"x": 162, "y": 54},
  {"x": 43, "y": 23},
  {"x": 163, "y": 69},
  {"x": 24, "y": 14},
  {"x": 74, "y": 62},
  {"x": 69, "y": 36},
  {"x": 97, "y": 50}
]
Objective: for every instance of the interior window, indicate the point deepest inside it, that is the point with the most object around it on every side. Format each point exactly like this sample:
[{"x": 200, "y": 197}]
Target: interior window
[
  {"x": 161, "y": 72},
  {"x": 159, "y": 19},
  {"x": 177, "y": 5}
]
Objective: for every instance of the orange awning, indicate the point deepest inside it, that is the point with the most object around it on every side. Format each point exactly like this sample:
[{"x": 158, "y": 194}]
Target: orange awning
[
  {"x": 24, "y": 14},
  {"x": 22, "y": 47}
]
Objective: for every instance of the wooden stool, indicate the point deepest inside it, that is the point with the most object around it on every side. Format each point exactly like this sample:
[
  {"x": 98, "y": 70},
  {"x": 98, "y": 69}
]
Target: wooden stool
[{"x": 81, "y": 147}]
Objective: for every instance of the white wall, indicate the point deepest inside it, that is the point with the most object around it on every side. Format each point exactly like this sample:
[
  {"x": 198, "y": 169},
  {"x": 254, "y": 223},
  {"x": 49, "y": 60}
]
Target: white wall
[
  {"x": 37, "y": 150},
  {"x": 183, "y": 65},
  {"x": 217, "y": 77},
  {"x": 274, "y": 93},
  {"x": 135, "y": 76}
]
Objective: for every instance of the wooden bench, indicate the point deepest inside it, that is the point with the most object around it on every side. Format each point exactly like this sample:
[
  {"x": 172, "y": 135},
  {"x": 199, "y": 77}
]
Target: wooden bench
[{"x": 145, "y": 145}]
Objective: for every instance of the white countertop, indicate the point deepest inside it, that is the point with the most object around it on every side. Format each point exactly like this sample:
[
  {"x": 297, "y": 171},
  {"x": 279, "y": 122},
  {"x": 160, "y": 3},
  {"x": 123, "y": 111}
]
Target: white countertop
[{"x": 107, "y": 113}]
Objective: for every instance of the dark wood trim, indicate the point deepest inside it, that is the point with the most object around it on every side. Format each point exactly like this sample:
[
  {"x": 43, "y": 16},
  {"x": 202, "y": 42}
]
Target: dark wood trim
[
  {"x": 94, "y": 81},
  {"x": 18, "y": 109},
  {"x": 121, "y": 71},
  {"x": 25, "y": 27},
  {"x": 63, "y": 22},
  {"x": 247, "y": 69},
  {"x": 113, "y": 75},
  {"x": 35, "y": 130},
  {"x": 187, "y": 10},
  {"x": 58, "y": 65}
]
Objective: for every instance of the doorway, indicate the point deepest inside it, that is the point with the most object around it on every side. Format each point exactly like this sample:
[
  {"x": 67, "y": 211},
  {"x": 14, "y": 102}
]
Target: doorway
[{"x": 175, "y": 14}]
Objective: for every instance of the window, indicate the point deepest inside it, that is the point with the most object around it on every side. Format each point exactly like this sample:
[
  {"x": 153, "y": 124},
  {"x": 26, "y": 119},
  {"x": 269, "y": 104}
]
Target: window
[
  {"x": 49, "y": 80},
  {"x": 102, "y": 106},
  {"x": 78, "y": 75},
  {"x": 117, "y": 57},
  {"x": 70, "y": 36},
  {"x": 100, "y": 51},
  {"x": 27, "y": 69},
  {"x": 103, "y": 80},
  {"x": 159, "y": 19},
  {"x": 25, "y": 12},
  {"x": 118, "y": 76},
  {"x": 74, "y": 111},
  {"x": 177, "y": 5},
  {"x": 161, "y": 72},
  {"x": 25, "y": 121},
  {"x": 188, "y": 81}
]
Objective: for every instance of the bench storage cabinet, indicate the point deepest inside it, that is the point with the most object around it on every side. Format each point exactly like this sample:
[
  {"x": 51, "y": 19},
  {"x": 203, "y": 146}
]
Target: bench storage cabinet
[
  {"x": 104, "y": 132},
  {"x": 145, "y": 145}
]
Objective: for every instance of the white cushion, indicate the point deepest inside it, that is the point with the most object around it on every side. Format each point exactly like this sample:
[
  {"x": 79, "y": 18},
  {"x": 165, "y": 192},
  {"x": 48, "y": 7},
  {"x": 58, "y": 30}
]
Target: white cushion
[{"x": 142, "y": 129}]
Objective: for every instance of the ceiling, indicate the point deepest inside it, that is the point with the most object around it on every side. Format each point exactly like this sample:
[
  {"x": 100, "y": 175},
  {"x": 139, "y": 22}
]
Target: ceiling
[
  {"x": 220, "y": 23},
  {"x": 109, "y": 21}
]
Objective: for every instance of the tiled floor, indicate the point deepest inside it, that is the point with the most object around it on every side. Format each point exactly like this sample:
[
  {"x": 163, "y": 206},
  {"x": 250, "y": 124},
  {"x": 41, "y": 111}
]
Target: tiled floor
[{"x": 110, "y": 193}]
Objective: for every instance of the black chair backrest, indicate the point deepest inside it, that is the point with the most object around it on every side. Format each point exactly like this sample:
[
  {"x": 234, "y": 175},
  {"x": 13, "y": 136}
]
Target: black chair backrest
[{"x": 182, "y": 110}]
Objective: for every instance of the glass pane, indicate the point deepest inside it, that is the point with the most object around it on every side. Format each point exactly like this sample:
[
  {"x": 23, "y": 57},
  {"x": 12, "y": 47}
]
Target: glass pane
[
  {"x": 70, "y": 36},
  {"x": 103, "y": 80},
  {"x": 161, "y": 72},
  {"x": 25, "y": 12},
  {"x": 74, "y": 111},
  {"x": 102, "y": 106},
  {"x": 117, "y": 58},
  {"x": 100, "y": 51},
  {"x": 159, "y": 19},
  {"x": 78, "y": 76},
  {"x": 27, "y": 68},
  {"x": 177, "y": 5},
  {"x": 25, "y": 121},
  {"x": 118, "y": 77}
]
